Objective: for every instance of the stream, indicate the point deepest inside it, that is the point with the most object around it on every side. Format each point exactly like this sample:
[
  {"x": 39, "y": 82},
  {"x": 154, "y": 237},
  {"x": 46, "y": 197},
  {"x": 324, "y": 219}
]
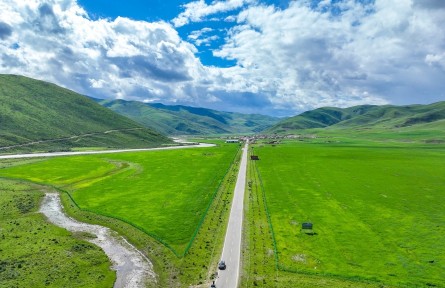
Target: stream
[{"x": 132, "y": 268}]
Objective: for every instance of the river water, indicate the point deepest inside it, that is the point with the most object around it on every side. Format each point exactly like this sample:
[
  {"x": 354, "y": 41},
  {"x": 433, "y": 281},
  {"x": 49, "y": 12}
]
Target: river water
[{"x": 133, "y": 269}]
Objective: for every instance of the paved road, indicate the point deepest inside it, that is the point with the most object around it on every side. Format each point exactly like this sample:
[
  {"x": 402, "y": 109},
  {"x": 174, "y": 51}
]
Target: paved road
[
  {"x": 54, "y": 154},
  {"x": 67, "y": 138},
  {"x": 232, "y": 244}
]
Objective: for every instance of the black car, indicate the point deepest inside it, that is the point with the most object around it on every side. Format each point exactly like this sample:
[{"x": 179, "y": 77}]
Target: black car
[
  {"x": 213, "y": 285},
  {"x": 222, "y": 265}
]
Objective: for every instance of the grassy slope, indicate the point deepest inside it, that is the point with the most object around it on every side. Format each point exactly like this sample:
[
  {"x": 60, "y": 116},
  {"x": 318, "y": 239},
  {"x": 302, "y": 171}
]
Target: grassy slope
[
  {"x": 34, "y": 253},
  {"x": 184, "y": 120},
  {"x": 198, "y": 265},
  {"x": 200, "y": 262},
  {"x": 376, "y": 209},
  {"x": 164, "y": 193},
  {"x": 364, "y": 117},
  {"x": 32, "y": 110}
]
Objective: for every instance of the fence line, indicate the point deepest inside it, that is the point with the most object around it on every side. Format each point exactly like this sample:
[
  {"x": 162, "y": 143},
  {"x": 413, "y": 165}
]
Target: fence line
[
  {"x": 157, "y": 238},
  {"x": 210, "y": 204},
  {"x": 277, "y": 265}
]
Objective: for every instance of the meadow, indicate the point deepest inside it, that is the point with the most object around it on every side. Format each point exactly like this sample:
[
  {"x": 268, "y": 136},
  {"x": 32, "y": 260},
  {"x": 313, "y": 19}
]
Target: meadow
[
  {"x": 376, "y": 208},
  {"x": 34, "y": 253},
  {"x": 163, "y": 193},
  {"x": 172, "y": 204},
  {"x": 45, "y": 117}
]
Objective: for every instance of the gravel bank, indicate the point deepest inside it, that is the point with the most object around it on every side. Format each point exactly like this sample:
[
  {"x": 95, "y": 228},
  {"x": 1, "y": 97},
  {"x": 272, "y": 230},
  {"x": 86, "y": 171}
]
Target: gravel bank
[{"x": 132, "y": 268}]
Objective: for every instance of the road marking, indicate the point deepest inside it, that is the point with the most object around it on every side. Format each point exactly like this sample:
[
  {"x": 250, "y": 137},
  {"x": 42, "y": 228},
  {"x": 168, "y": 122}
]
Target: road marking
[
  {"x": 55, "y": 154},
  {"x": 232, "y": 242}
]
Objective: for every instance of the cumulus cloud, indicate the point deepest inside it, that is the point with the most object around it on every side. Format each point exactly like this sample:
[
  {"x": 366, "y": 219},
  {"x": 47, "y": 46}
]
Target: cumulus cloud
[
  {"x": 352, "y": 53},
  {"x": 199, "y": 37},
  {"x": 198, "y": 33},
  {"x": 436, "y": 59},
  {"x": 196, "y": 11},
  {"x": 335, "y": 53},
  {"x": 57, "y": 41},
  {"x": 430, "y": 4},
  {"x": 46, "y": 20},
  {"x": 5, "y": 30}
]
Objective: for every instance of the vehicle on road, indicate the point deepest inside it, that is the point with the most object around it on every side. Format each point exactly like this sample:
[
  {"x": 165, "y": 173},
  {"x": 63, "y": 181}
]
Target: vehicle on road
[
  {"x": 213, "y": 285},
  {"x": 222, "y": 265}
]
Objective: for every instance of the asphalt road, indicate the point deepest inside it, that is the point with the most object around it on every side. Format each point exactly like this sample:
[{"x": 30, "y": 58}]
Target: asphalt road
[
  {"x": 66, "y": 138},
  {"x": 231, "y": 254},
  {"x": 54, "y": 154}
]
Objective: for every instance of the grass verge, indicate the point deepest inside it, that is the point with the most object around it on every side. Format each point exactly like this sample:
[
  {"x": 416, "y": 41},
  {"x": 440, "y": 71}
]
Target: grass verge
[{"x": 34, "y": 253}]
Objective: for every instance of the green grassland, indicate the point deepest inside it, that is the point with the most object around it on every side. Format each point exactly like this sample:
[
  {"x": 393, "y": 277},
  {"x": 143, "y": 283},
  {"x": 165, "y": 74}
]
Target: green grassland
[
  {"x": 376, "y": 207},
  {"x": 34, "y": 253},
  {"x": 185, "y": 120},
  {"x": 428, "y": 133},
  {"x": 385, "y": 117},
  {"x": 163, "y": 193},
  {"x": 173, "y": 205},
  {"x": 45, "y": 117}
]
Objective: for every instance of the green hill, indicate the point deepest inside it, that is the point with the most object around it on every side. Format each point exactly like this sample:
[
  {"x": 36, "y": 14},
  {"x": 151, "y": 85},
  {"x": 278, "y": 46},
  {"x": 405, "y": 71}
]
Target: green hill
[
  {"x": 409, "y": 117},
  {"x": 39, "y": 116},
  {"x": 184, "y": 120}
]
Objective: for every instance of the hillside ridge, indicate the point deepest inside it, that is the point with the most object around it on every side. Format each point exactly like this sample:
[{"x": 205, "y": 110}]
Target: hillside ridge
[
  {"x": 35, "y": 112},
  {"x": 186, "y": 120},
  {"x": 363, "y": 116}
]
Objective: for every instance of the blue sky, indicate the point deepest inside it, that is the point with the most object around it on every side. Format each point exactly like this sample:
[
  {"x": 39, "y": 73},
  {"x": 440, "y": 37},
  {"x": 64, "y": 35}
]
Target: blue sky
[
  {"x": 275, "y": 57},
  {"x": 153, "y": 10},
  {"x": 167, "y": 10}
]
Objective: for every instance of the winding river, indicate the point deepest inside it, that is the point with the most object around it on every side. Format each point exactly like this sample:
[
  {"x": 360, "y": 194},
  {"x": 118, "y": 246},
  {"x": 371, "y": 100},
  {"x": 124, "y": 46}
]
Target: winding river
[{"x": 132, "y": 268}]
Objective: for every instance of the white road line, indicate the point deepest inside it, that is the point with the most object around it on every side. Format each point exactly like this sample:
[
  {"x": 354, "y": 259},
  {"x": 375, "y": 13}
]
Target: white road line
[
  {"x": 56, "y": 154},
  {"x": 228, "y": 278}
]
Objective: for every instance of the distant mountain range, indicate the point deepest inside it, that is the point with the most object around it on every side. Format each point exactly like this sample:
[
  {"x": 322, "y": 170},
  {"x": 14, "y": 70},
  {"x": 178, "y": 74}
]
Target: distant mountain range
[
  {"x": 185, "y": 120},
  {"x": 36, "y": 115},
  {"x": 364, "y": 116}
]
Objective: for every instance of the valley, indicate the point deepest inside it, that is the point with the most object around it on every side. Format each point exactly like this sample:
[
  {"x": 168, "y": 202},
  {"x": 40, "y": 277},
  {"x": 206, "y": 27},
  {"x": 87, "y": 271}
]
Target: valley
[
  {"x": 368, "y": 178},
  {"x": 185, "y": 120},
  {"x": 375, "y": 209}
]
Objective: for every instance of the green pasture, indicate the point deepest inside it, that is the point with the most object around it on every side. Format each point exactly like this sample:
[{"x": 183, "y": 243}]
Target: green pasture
[
  {"x": 34, "y": 253},
  {"x": 427, "y": 133},
  {"x": 377, "y": 210},
  {"x": 163, "y": 193}
]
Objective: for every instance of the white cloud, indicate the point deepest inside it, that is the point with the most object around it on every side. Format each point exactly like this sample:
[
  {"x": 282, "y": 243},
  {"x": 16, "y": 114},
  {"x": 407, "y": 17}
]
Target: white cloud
[
  {"x": 231, "y": 18},
  {"x": 105, "y": 58},
  {"x": 430, "y": 4},
  {"x": 436, "y": 59},
  {"x": 206, "y": 41},
  {"x": 198, "y": 37},
  {"x": 288, "y": 60},
  {"x": 196, "y": 11},
  {"x": 97, "y": 83},
  {"x": 374, "y": 53},
  {"x": 194, "y": 35}
]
